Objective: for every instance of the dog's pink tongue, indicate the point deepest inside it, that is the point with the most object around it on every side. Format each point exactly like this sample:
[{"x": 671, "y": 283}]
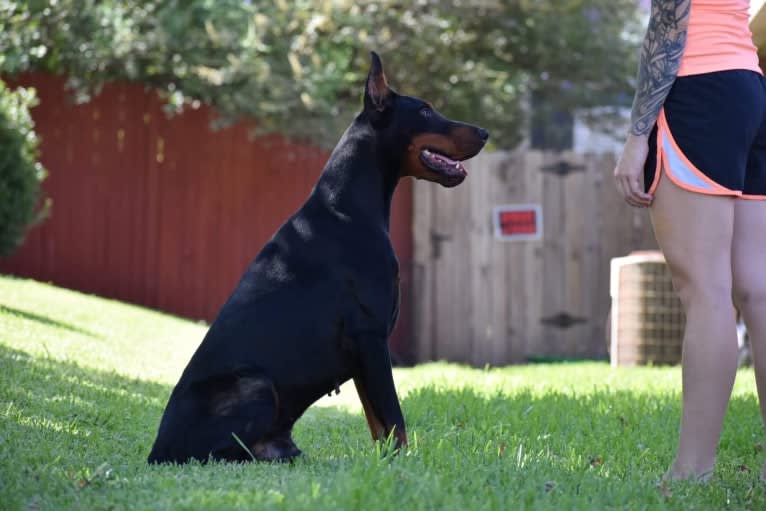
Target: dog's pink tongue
[
  {"x": 439, "y": 158},
  {"x": 445, "y": 163}
]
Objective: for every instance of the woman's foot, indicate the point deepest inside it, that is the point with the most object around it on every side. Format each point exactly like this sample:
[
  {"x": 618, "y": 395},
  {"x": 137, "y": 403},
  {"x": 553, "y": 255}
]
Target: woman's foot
[{"x": 678, "y": 472}]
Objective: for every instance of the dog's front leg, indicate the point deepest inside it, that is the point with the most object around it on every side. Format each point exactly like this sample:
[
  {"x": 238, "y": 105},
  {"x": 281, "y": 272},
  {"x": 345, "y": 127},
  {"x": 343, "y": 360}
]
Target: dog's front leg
[{"x": 375, "y": 384}]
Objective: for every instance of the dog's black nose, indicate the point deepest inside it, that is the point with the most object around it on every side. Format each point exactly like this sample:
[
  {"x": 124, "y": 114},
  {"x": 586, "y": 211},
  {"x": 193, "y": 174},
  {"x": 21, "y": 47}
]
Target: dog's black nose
[{"x": 483, "y": 134}]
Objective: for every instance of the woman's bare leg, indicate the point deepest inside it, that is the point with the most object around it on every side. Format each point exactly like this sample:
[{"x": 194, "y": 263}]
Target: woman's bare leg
[
  {"x": 748, "y": 255},
  {"x": 695, "y": 233}
]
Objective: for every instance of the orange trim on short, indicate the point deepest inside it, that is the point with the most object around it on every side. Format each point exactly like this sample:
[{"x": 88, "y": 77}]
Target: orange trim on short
[
  {"x": 664, "y": 130},
  {"x": 752, "y": 197}
]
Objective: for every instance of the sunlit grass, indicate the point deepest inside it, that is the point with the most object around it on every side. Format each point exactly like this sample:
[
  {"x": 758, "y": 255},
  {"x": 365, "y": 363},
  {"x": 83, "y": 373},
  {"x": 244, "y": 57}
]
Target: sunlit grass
[{"x": 83, "y": 382}]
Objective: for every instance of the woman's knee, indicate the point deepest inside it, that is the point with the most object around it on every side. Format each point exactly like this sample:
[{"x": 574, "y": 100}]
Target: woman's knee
[
  {"x": 704, "y": 291},
  {"x": 749, "y": 290},
  {"x": 705, "y": 279}
]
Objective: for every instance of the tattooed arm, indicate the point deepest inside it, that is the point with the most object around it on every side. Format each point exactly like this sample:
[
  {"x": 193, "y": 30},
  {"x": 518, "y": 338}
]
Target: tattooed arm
[{"x": 660, "y": 59}]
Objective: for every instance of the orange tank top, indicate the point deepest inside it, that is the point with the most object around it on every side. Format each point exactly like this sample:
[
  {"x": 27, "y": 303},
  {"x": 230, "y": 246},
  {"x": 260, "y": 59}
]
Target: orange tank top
[{"x": 718, "y": 38}]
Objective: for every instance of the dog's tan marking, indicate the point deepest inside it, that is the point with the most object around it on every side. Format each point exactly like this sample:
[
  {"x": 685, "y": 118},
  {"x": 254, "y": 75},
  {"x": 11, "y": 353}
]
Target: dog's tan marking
[{"x": 377, "y": 430}]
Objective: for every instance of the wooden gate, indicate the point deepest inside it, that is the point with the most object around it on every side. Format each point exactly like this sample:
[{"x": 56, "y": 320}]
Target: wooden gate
[{"x": 480, "y": 300}]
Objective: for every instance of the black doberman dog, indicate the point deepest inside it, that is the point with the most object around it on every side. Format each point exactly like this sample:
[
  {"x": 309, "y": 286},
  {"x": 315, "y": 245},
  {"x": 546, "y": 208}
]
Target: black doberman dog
[{"x": 318, "y": 304}]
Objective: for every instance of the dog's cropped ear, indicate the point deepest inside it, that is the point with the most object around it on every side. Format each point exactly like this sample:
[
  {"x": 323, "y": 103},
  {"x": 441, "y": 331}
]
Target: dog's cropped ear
[{"x": 376, "y": 92}]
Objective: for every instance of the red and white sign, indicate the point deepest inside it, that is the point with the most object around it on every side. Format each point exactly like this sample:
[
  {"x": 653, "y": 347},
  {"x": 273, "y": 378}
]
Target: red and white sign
[{"x": 518, "y": 222}]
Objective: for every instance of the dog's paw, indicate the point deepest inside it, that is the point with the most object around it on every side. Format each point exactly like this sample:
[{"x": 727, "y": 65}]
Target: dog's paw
[{"x": 280, "y": 449}]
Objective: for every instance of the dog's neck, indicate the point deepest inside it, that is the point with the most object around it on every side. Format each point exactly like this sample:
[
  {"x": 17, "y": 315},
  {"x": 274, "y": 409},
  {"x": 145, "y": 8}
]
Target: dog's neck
[{"x": 355, "y": 183}]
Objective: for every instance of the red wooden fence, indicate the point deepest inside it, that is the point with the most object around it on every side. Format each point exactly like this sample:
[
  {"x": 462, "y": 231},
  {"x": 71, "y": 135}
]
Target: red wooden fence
[{"x": 165, "y": 212}]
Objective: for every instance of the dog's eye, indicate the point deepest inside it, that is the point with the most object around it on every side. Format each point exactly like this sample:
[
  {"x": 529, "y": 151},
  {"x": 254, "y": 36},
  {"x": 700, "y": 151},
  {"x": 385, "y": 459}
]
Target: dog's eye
[{"x": 426, "y": 112}]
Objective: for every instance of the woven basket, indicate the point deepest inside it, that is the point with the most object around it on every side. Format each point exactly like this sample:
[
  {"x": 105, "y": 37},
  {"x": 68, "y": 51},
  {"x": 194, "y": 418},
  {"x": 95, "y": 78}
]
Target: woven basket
[{"x": 647, "y": 320}]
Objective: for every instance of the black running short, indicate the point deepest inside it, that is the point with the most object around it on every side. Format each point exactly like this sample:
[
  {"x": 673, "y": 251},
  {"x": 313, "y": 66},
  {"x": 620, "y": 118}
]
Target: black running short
[{"x": 710, "y": 136}]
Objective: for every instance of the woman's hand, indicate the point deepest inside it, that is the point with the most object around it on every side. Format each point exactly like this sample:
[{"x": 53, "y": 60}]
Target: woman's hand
[{"x": 628, "y": 174}]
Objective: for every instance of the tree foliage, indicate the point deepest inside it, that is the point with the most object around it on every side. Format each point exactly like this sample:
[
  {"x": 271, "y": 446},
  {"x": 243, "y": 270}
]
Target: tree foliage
[
  {"x": 20, "y": 172},
  {"x": 297, "y": 66}
]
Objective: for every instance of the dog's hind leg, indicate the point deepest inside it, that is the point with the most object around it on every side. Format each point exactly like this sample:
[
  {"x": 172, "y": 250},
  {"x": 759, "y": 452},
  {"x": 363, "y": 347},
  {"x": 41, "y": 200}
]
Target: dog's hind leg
[
  {"x": 222, "y": 418},
  {"x": 190, "y": 432},
  {"x": 253, "y": 403},
  {"x": 248, "y": 408},
  {"x": 234, "y": 437}
]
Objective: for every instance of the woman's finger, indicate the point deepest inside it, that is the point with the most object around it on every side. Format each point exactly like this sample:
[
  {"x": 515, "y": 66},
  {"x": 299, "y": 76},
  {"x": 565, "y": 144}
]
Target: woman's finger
[
  {"x": 637, "y": 191},
  {"x": 633, "y": 193},
  {"x": 635, "y": 199},
  {"x": 625, "y": 191}
]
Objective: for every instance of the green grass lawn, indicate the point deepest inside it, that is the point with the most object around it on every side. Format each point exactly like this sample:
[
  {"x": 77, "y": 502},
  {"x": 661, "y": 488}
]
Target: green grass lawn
[{"x": 83, "y": 382}]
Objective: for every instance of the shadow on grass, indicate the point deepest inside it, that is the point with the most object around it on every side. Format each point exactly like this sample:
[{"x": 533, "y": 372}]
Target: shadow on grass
[
  {"x": 118, "y": 414},
  {"x": 83, "y": 415},
  {"x": 70, "y": 433},
  {"x": 557, "y": 423},
  {"x": 51, "y": 406},
  {"x": 622, "y": 433},
  {"x": 50, "y": 398},
  {"x": 59, "y": 422},
  {"x": 46, "y": 320}
]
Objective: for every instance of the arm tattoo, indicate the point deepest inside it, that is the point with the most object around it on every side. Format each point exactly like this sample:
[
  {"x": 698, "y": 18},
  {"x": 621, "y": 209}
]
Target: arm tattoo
[{"x": 659, "y": 62}]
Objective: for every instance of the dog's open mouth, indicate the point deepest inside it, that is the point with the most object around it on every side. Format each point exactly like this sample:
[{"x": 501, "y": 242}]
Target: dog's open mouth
[{"x": 441, "y": 164}]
